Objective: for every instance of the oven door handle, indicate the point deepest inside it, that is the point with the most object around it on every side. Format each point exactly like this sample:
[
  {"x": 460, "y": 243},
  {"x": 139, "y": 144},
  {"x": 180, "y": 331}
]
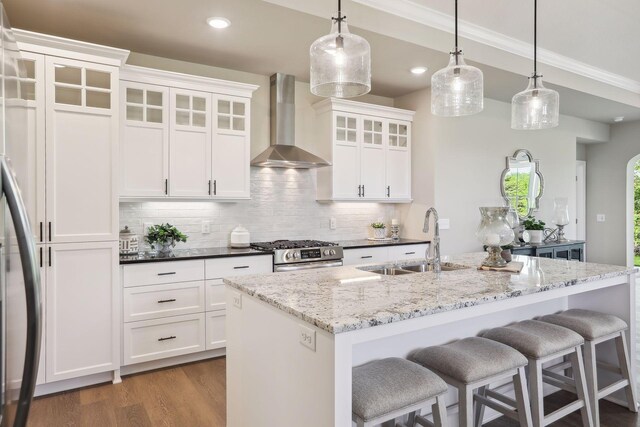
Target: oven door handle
[{"x": 307, "y": 266}]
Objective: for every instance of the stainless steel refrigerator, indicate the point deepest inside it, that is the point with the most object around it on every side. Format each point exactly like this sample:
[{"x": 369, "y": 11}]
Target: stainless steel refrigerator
[{"x": 20, "y": 293}]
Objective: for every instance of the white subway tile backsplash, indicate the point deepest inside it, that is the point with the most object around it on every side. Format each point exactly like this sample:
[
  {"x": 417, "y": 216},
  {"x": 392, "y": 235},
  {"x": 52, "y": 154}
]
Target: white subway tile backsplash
[{"x": 282, "y": 206}]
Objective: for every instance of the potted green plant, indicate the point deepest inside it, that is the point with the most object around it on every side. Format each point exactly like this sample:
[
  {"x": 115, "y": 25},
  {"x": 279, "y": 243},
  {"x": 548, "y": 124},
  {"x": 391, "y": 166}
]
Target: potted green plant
[
  {"x": 535, "y": 228},
  {"x": 164, "y": 237},
  {"x": 379, "y": 230}
]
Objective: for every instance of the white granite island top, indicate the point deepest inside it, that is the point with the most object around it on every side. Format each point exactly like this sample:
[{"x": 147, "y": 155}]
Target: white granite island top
[{"x": 345, "y": 298}]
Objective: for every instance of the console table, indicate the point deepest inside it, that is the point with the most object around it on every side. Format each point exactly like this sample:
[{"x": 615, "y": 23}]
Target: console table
[{"x": 570, "y": 250}]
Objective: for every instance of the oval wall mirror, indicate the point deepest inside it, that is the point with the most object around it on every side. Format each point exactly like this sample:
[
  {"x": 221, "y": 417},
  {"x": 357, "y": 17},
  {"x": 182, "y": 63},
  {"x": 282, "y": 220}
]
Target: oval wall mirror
[{"x": 522, "y": 183}]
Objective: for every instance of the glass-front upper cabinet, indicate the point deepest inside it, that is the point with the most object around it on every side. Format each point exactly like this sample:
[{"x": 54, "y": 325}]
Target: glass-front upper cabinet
[
  {"x": 232, "y": 114},
  {"x": 82, "y": 84},
  {"x": 346, "y": 128}
]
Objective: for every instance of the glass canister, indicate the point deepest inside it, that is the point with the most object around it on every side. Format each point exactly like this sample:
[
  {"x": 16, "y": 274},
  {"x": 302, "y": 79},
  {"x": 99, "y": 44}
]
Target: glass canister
[{"x": 494, "y": 232}]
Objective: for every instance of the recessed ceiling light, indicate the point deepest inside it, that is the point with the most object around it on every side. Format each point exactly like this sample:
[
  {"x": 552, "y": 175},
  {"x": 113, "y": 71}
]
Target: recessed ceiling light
[
  {"x": 618, "y": 119},
  {"x": 218, "y": 22},
  {"x": 419, "y": 70}
]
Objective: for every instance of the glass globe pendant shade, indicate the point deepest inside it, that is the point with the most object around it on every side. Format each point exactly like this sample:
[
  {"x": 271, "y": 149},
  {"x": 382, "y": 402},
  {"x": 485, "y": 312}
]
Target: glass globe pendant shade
[
  {"x": 340, "y": 64},
  {"x": 536, "y": 107},
  {"x": 457, "y": 89}
]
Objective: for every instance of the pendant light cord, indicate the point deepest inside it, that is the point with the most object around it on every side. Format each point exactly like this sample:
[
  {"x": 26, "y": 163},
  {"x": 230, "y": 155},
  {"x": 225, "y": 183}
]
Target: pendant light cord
[
  {"x": 535, "y": 43},
  {"x": 340, "y": 18},
  {"x": 456, "y": 50}
]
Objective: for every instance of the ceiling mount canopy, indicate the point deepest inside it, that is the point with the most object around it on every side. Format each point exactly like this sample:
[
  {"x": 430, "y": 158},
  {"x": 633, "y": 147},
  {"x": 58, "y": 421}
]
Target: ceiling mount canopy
[
  {"x": 340, "y": 62},
  {"x": 457, "y": 89},
  {"x": 536, "y": 107}
]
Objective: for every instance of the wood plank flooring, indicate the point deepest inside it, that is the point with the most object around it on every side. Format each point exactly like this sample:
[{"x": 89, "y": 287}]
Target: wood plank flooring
[
  {"x": 193, "y": 395},
  {"x": 188, "y": 395}
]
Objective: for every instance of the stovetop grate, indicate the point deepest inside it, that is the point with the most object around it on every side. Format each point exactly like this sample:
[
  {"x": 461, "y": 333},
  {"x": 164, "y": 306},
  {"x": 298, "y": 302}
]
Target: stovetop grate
[{"x": 290, "y": 244}]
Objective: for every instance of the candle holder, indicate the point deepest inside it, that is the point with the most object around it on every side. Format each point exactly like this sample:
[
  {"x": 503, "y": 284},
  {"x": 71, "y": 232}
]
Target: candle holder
[
  {"x": 561, "y": 216},
  {"x": 395, "y": 231},
  {"x": 494, "y": 232}
]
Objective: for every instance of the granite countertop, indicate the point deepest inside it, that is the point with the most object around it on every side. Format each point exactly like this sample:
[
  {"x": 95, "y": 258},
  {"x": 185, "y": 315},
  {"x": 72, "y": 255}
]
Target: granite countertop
[
  {"x": 185, "y": 254},
  {"x": 344, "y": 299},
  {"x": 366, "y": 243}
]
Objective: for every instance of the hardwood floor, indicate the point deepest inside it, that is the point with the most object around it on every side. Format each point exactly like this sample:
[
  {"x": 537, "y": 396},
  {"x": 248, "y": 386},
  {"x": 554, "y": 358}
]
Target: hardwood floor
[
  {"x": 193, "y": 395},
  {"x": 188, "y": 395}
]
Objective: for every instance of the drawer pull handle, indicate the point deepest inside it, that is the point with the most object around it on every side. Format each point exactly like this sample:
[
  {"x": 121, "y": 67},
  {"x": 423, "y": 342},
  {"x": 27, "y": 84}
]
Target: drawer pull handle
[
  {"x": 366, "y": 256},
  {"x": 172, "y": 337},
  {"x": 167, "y": 274},
  {"x": 240, "y": 267},
  {"x": 162, "y": 301},
  {"x": 409, "y": 253}
]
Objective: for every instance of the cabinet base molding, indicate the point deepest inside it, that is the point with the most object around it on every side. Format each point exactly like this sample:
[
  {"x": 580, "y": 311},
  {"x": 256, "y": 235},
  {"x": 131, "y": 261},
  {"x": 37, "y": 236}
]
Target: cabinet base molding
[
  {"x": 74, "y": 383},
  {"x": 385, "y": 200},
  {"x": 172, "y": 361}
]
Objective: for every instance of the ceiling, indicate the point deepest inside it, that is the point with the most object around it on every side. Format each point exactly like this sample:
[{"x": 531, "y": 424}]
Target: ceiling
[{"x": 266, "y": 37}]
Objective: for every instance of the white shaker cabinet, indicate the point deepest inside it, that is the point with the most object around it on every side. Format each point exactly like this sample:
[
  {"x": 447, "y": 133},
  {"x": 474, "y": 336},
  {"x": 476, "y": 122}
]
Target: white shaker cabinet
[
  {"x": 82, "y": 309},
  {"x": 190, "y": 147},
  {"x": 144, "y": 131},
  {"x": 81, "y": 150},
  {"x": 231, "y": 148},
  {"x": 369, "y": 147},
  {"x": 184, "y": 136}
]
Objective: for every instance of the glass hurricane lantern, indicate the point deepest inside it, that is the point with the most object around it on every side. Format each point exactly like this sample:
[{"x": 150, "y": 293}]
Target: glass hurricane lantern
[{"x": 494, "y": 232}]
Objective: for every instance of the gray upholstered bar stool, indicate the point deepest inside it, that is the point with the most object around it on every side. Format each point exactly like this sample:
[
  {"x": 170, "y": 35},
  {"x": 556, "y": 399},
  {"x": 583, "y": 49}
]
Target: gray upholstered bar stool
[
  {"x": 386, "y": 389},
  {"x": 595, "y": 328},
  {"x": 475, "y": 363},
  {"x": 542, "y": 342}
]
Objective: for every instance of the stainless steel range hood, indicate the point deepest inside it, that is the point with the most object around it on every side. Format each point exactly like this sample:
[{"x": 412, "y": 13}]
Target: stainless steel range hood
[{"x": 283, "y": 153}]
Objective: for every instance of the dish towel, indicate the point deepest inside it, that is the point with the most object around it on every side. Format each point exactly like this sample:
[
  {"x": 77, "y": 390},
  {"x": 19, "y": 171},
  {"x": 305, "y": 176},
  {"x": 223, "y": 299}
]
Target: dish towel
[{"x": 512, "y": 267}]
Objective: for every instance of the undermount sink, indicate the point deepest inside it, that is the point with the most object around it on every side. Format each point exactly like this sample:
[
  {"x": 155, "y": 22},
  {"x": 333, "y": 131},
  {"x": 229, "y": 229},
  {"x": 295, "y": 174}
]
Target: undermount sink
[
  {"x": 390, "y": 271},
  {"x": 421, "y": 268}
]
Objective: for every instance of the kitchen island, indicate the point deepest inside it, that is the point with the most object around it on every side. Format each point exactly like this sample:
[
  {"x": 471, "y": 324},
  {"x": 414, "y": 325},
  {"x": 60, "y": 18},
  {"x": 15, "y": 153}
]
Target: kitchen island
[{"x": 302, "y": 332}]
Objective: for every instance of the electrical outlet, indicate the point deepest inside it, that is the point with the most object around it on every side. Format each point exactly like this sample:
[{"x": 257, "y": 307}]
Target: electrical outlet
[
  {"x": 206, "y": 227},
  {"x": 444, "y": 224},
  {"x": 237, "y": 299},
  {"x": 332, "y": 223},
  {"x": 146, "y": 226},
  {"x": 601, "y": 218},
  {"x": 307, "y": 337}
]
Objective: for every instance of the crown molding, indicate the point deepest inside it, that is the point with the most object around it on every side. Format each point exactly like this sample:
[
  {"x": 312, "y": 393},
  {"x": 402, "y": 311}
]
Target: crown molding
[
  {"x": 59, "y": 46},
  {"x": 412, "y": 11},
  {"x": 356, "y": 107},
  {"x": 138, "y": 74}
]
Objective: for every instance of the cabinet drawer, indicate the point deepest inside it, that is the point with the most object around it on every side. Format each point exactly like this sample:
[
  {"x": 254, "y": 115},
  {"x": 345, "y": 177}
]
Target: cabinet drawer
[
  {"x": 157, "y": 273},
  {"x": 215, "y": 296},
  {"x": 365, "y": 255},
  {"x": 157, "y": 339},
  {"x": 404, "y": 252},
  {"x": 156, "y": 301},
  {"x": 216, "y": 334},
  {"x": 235, "y": 266}
]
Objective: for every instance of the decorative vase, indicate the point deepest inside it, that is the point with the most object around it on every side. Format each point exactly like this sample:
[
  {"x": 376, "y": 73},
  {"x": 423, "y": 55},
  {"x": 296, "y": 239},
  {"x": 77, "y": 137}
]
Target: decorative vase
[
  {"x": 379, "y": 233},
  {"x": 494, "y": 232},
  {"x": 166, "y": 247},
  {"x": 535, "y": 236}
]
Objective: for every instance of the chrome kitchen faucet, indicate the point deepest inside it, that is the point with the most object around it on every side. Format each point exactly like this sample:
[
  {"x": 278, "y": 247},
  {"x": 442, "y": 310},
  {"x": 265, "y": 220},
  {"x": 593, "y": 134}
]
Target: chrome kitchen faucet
[{"x": 433, "y": 260}]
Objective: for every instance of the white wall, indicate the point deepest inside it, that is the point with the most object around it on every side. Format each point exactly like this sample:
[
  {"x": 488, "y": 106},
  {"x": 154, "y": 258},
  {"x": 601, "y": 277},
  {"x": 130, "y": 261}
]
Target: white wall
[
  {"x": 607, "y": 194},
  {"x": 457, "y": 165}
]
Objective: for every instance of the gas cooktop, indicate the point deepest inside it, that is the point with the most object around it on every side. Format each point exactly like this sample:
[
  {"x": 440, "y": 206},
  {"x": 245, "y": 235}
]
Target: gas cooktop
[{"x": 290, "y": 244}]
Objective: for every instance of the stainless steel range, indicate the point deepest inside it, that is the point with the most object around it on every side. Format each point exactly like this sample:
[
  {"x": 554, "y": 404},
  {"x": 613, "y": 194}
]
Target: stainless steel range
[{"x": 292, "y": 255}]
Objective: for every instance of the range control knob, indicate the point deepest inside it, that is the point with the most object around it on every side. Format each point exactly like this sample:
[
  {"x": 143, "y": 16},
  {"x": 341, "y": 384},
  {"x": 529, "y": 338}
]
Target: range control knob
[
  {"x": 295, "y": 255},
  {"x": 327, "y": 252},
  {"x": 332, "y": 252},
  {"x": 287, "y": 255}
]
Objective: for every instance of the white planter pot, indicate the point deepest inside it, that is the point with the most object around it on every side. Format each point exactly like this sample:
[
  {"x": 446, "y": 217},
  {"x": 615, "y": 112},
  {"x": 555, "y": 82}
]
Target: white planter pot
[
  {"x": 535, "y": 236},
  {"x": 379, "y": 233}
]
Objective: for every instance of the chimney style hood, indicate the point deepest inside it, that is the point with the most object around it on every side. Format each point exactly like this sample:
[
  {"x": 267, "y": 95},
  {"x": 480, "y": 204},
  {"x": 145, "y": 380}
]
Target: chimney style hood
[{"x": 283, "y": 153}]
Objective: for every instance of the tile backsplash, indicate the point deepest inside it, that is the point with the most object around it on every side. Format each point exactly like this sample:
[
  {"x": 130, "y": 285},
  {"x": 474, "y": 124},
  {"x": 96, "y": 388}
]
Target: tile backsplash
[{"x": 282, "y": 206}]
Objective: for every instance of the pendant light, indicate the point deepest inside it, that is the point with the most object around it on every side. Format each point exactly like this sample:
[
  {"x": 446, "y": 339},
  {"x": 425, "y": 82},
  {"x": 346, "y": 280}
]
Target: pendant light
[
  {"x": 340, "y": 62},
  {"x": 536, "y": 107},
  {"x": 457, "y": 89}
]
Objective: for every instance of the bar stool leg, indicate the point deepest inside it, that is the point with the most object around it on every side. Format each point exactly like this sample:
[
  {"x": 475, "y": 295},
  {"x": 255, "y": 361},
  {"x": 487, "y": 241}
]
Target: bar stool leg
[
  {"x": 591, "y": 374},
  {"x": 479, "y": 408},
  {"x": 439, "y": 410},
  {"x": 537, "y": 395},
  {"x": 465, "y": 406},
  {"x": 625, "y": 368},
  {"x": 581, "y": 386},
  {"x": 522, "y": 397}
]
